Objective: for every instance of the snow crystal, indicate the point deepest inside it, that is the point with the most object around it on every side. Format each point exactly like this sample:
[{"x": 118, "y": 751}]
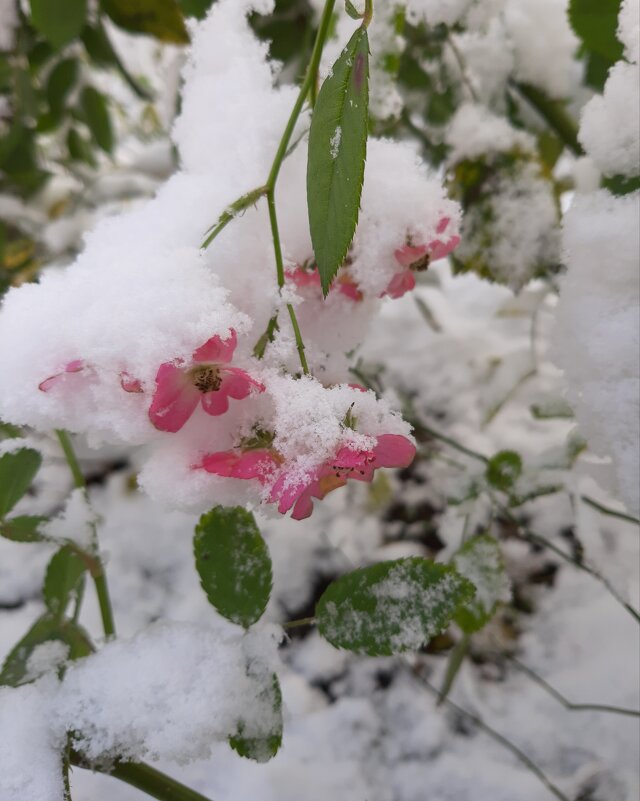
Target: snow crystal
[
  {"x": 597, "y": 333},
  {"x": 610, "y": 124},
  {"x": 75, "y": 523},
  {"x": 629, "y": 29},
  {"x": 335, "y": 142},
  {"x": 474, "y": 131}
]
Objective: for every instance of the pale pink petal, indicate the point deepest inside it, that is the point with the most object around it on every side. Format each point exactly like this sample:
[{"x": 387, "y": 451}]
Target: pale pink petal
[
  {"x": 175, "y": 398},
  {"x": 393, "y": 450},
  {"x": 237, "y": 383},
  {"x": 75, "y": 366},
  {"x": 439, "y": 249},
  {"x": 214, "y": 403},
  {"x": 216, "y": 349},
  {"x": 129, "y": 383},
  {"x": 400, "y": 284},
  {"x": 408, "y": 255},
  {"x": 442, "y": 224}
]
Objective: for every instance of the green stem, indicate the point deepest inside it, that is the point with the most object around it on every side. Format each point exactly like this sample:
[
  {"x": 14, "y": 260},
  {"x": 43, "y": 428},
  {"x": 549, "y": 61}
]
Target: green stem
[
  {"x": 277, "y": 247},
  {"x": 425, "y": 429},
  {"x": 294, "y": 624},
  {"x": 299, "y": 341},
  {"x": 93, "y": 561},
  {"x": 368, "y": 13},
  {"x": 554, "y": 114},
  {"x": 618, "y": 710},
  {"x": 499, "y": 738},
  {"x": 231, "y": 212},
  {"x": 607, "y": 510},
  {"x": 151, "y": 781},
  {"x": 309, "y": 79},
  {"x": 456, "y": 658}
]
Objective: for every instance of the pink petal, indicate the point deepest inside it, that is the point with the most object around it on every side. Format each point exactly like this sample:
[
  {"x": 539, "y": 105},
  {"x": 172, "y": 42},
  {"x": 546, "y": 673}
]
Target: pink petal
[
  {"x": 304, "y": 505},
  {"x": 220, "y": 463},
  {"x": 214, "y": 403},
  {"x": 359, "y": 387},
  {"x": 75, "y": 366},
  {"x": 237, "y": 383},
  {"x": 303, "y": 278},
  {"x": 349, "y": 458},
  {"x": 350, "y": 291},
  {"x": 286, "y": 492},
  {"x": 393, "y": 450},
  {"x": 408, "y": 255},
  {"x": 129, "y": 383},
  {"x": 442, "y": 225},
  {"x": 400, "y": 284},
  {"x": 175, "y": 398},
  {"x": 217, "y": 349},
  {"x": 255, "y": 464}
]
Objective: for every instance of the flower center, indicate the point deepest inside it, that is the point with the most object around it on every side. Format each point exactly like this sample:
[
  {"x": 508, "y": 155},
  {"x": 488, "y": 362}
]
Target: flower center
[
  {"x": 421, "y": 264},
  {"x": 206, "y": 378}
]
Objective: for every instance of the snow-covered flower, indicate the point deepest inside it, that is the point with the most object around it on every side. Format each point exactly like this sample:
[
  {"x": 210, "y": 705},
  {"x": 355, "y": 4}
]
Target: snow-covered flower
[
  {"x": 207, "y": 379},
  {"x": 390, "y": 450}
]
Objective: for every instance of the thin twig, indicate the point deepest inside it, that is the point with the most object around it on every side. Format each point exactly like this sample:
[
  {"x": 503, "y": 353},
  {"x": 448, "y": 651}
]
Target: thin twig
[
  {"x": 607, "y": 510},
  {"x": 617, "y": 710},
  {"x": 499, "y": 738}
]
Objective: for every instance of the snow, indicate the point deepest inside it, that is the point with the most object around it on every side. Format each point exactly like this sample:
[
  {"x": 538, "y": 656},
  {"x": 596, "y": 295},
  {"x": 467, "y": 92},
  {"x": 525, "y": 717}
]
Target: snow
[
  {"x": 597, "y": 333},
  {"x": 76, "y": 522},
  {"x": 629, "y": 29}
]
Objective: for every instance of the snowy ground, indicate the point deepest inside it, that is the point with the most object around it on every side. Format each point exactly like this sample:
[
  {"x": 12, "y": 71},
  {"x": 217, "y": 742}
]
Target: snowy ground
[{"x": 362, "y": 729}]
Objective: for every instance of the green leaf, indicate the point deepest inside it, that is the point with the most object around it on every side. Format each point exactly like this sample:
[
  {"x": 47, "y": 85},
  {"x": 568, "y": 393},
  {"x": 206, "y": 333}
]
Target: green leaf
[
  {"x": 263, "y": 747},
  {"x": 63, "y": 581},
  {"x": 59, "y": 21},
  {"x": 392, "y": 606},
  {"x": 22, "y": 529},
  {"x": 96, "y": 115},
  {"x": 620, "y": 185},
  {"x": 351, "y": 10},
  {"x": 195, "y": 8},
  {"x": 337, "y": 152},
  {"x": 596, "y": 22},
  {"x": 503, "y": 470},
  {"x": 233, "y": 563},
  {"x": 160, "y": 18},
  {"x": 79, "y": 148},
  {"x": 61, "y": 81},
  {"x": 17, "y": 471},
  {"x": 480, "y": 561},
  {"x": 46, "y": 629}
]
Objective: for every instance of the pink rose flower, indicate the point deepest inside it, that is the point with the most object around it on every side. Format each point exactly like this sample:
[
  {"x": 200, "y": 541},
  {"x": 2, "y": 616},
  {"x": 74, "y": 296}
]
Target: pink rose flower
[
  {"x": 259, "y": 464},
  {"x": 415, "y": 258},
  {"x": 343, "y": 283},
  {"x": 207, "y": 379},
  {"x": 390, "y": 450}
]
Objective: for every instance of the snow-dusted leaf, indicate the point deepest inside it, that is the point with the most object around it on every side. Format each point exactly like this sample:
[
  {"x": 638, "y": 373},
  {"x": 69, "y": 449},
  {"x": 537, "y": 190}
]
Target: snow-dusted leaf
[
  {"x": 392, "y": 606},
  {"x": 337, "y": 152},
  {"x": 63, "y": 581},
  {"x": 351, "y": 10},
  {"x": 160, "y": 18},
  {"x": 265, "y": 747},
  {"x": 59, "y": 22},
  {"x": 23, "y": 529},
  {"x": 480, "y": 561},
  {"x": 15, "y": 670},
  {"x": 234, "y": 564},
  {"x": 503, "y": 470},
  {"x": 17, "y": 471},
  {"x": 595, "y": 22},
  {"x": 96, "y": 115}
]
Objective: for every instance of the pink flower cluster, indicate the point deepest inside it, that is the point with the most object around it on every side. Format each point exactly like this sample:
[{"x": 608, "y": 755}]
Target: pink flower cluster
[{"x": 208, "y": 379}]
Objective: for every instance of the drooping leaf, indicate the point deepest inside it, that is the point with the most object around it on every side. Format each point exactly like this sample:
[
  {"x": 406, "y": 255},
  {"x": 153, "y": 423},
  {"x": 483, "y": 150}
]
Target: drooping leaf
[
  {"x": 595, "y": 22},
  {"x": 262, "y": 747},
  {"x": 160, "y": 18},
  {"x": 17, "y": 471},
  {"x": 233, "y": 563},
  {"x": 480, "y": 561},
  {"x": 63, "y": 581},
  {"x": 351, "y": 10},
  {"x": 59, "y": 21},
  {"x": 79, "y": 148},
  {"x": 24, "y": 528},
  {"x": 337, "y": 153},
  {"x": 96, "y": 115},
  {"x": 392, "y": 606},
  {"x": 504, "y": 469},
  {"x": 61, "y": 81},
  {"x": 46, "y": 629}
]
